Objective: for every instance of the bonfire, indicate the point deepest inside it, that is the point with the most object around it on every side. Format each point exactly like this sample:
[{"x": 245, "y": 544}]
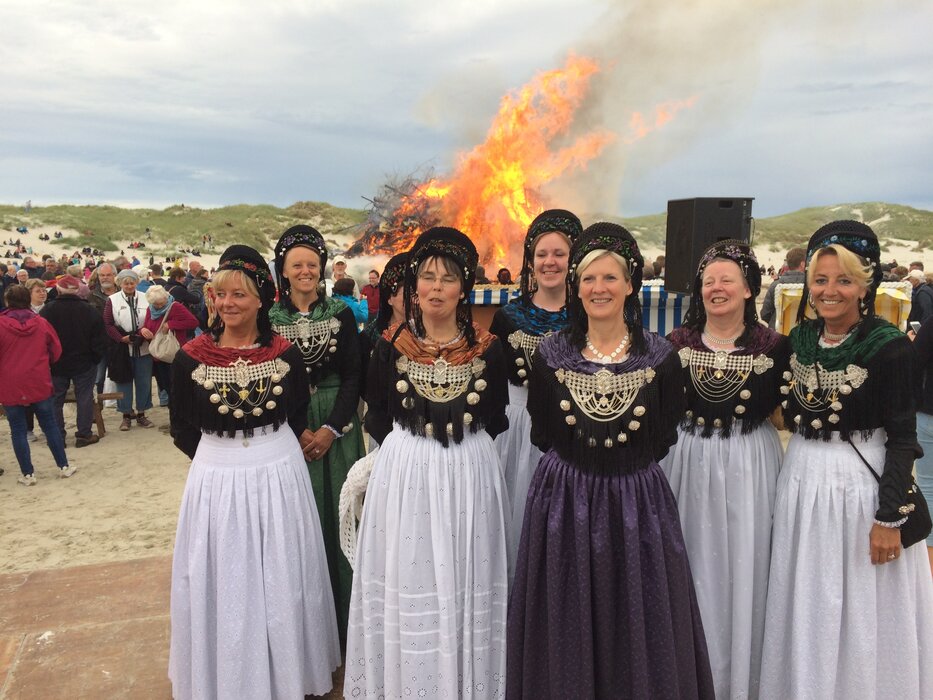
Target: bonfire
[{"x": 496, "y": 189}]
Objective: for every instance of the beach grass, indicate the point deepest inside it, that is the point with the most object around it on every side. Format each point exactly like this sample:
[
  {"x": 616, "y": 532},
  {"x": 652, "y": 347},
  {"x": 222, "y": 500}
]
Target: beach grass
[{"x": 258, "y": 225}]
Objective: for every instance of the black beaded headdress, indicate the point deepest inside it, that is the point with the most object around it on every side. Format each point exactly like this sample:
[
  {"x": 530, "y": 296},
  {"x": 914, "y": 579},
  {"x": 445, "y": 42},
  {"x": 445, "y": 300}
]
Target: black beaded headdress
[
  {"x": 857, "y": 238},
  {"x": 300, "y": 235},
  {"x": 741, "y": 254},
  {"x": 550, "y": 221},
  {"x": 446, "y": 242},
  {"x": 392, "y": 279},
  {"x": 248, "y": 261},
  {"x": 616, "y": 239}
]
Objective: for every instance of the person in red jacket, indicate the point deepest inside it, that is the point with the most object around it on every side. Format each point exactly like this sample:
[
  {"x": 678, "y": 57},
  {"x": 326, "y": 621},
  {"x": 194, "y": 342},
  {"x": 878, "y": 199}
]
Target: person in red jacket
[{"x": 28, "y": 347}]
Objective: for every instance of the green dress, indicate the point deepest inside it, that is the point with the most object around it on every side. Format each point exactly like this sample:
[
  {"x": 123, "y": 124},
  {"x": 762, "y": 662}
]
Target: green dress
[{"x": 328, "y": 340}]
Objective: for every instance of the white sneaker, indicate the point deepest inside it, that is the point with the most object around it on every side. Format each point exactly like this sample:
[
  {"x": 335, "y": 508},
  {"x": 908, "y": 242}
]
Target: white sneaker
[
  {"x": 27, "y": 479},
  {"x": 69, "y": 470},
  {"x": 31, "y": 436}
]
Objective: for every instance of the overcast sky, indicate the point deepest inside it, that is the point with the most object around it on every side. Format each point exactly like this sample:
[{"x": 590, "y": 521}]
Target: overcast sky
[{"x": 215, "y": 102}]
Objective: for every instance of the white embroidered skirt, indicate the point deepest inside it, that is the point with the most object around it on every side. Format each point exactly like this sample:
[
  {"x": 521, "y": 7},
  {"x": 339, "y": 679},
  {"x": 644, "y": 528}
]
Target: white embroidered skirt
[
  {"x": 836, "y": 625},
  {"x": 519, "y": 460},
  {"x": 252, "y": 610},
  {"x": 430, "y": 582},
  {"x": 725, "y": 492}
]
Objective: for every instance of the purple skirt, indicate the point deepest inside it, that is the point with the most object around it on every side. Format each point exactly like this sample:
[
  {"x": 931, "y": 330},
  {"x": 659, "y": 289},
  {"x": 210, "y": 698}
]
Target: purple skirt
[{"x": 603, "y": 604}]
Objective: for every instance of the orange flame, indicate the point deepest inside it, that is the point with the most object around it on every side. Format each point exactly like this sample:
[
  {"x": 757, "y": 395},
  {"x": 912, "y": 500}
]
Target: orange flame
[{"x": 494, "y": 192}]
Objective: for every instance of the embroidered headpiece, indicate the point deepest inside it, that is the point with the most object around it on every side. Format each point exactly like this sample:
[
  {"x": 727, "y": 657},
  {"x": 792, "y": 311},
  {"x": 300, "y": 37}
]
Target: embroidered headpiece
[
  {"x": 550, "y": 221},
  {"x": 611, "y": 237},
  {"x": 447, "y": 242},
  {"x": 858, "y": 238},
  {"x": 393, "y": 275},
  {"x": 738, "y": 252},
  {"x": 300, "y": 235}
]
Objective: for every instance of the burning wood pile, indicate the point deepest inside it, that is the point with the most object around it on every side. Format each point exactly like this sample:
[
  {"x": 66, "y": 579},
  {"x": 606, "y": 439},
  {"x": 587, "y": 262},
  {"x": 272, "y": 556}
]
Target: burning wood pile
[
  {"x": 400, "y": 211},
  {"x": 496, "y": 189}
]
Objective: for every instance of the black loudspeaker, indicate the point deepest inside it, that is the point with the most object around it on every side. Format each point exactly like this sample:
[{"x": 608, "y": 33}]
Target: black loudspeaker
[{"x": 693, "y": 225}]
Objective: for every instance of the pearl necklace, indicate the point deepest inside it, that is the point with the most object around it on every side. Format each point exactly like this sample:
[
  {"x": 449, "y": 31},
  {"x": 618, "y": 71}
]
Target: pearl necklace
[
  {"x": 428, "y": 339},
  {"x": 720, "y": 341},
  {"x": 611, "y": 357}
]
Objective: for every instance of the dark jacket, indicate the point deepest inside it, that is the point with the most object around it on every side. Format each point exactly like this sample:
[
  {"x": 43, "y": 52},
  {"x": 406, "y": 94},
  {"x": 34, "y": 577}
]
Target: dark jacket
[
  {"x": 767, "y": 304},
  {"x": 181, "y": 293},
  {"x": 81, "y": 332},
  {"x": 921, "y": 303}
]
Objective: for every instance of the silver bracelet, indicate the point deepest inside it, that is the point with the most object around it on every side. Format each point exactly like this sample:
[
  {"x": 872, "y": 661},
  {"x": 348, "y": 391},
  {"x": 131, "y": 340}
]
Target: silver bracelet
[{"x": 892, "y": 525}]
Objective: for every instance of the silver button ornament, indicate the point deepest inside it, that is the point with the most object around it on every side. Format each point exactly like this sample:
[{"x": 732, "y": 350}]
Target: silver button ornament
[
  {"x": 480, "y": 384},
  {"x": 401, "y": 386},
  {"x": 745, "y": 394},
  {"x": 472, "y": 398},
  {"x": 571, "y": 419}
]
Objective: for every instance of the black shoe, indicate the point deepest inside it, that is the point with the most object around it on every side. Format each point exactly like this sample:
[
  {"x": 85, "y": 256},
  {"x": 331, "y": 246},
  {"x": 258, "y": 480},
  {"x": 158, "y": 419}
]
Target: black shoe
[{"x": 85, "y": 441}]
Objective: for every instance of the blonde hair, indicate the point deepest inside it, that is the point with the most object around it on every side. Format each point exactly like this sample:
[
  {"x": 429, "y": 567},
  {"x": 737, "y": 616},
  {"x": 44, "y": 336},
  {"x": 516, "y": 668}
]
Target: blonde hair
[
  {"x": 224, "y": 277},
  {"x": 34, "y": 282},
  {"x": 597, "y": 254},
  {"x": 851, "y": 264}
]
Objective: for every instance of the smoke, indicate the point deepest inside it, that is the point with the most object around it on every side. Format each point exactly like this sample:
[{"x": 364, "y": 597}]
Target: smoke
[{"x": 652, "y": 52}]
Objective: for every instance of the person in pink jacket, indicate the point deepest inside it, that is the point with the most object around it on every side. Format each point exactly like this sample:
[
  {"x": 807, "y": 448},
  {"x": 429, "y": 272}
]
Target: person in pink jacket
[{"x": 28, "y": 347}]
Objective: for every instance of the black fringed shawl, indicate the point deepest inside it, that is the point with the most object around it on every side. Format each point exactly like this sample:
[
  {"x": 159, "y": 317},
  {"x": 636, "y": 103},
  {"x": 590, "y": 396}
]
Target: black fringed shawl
[
  {"x": 342, "y": 357},
  {"x": 192, "y": 412},
  {"x": 649, "y": 422},
  {"x": 392, "y": 397},
  {"x": 750, "y": 401},
  {"x": 879, "y": 362},
  {"x": 521, "y": 315}
]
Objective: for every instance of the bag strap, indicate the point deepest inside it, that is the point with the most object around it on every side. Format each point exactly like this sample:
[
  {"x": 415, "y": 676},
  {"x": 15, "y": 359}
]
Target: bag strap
[
  {"x": 816, "y": 368},
  {"x": 864, "y": 461},
  {"x": 164, "y": 319}
]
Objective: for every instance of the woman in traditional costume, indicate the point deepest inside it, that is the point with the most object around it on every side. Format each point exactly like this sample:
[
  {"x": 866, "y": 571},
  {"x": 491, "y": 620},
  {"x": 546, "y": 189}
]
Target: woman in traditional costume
[
  {"x": 603, "y": 604},
  {"x": 391, "y": 311},
  {"x": 539, "y": 311},
  {"x": 430, "y": 585},
  {"x": 252, "y": 611},
  {"x": 849, "y": 609},
  {"x": 724, "y": 468},
  {"x": 324, "y": 331}
]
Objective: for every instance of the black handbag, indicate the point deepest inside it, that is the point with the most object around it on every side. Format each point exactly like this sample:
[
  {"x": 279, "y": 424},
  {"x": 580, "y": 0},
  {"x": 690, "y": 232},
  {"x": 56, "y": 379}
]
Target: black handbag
[
  {"x": 119, "y": 366},
  {"x": 916, "y": 509}
]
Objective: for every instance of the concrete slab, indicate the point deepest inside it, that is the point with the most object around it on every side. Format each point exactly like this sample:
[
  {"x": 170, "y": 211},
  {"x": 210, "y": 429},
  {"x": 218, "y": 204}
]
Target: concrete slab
[{"x": 99, "y": 631}]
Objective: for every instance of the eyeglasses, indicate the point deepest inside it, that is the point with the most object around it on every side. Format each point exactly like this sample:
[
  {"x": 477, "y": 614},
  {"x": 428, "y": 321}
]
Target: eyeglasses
[{"x": 446, "y": 280}]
